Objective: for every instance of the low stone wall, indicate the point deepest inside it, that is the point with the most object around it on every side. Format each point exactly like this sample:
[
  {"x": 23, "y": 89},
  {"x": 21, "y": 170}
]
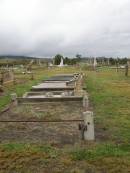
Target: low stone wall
[
  {"x": 53, "y": 89},
  {"x": 49, "y": 99}
]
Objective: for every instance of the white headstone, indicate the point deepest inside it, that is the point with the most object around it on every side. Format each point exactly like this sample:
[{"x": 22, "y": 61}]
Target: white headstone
[
  {"x": 95, "y": 62},
  {"x": 61, "y": 63}
]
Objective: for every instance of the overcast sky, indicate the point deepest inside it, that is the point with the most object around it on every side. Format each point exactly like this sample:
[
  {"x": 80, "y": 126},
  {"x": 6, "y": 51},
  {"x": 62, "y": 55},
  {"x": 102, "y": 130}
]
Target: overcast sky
[{"x": 44, "y": 28}]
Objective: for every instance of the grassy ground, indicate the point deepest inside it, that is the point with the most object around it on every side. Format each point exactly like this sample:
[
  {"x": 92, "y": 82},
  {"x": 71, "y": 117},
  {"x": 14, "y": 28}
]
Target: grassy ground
[
  {"x": 110, "y": 153},
  {"x": 110, "y": 96}
]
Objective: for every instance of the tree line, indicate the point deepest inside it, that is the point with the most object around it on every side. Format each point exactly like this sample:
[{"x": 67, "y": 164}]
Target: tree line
[
  {"x": 13, "y": 60},
  {"x": 100, "y": 60}
]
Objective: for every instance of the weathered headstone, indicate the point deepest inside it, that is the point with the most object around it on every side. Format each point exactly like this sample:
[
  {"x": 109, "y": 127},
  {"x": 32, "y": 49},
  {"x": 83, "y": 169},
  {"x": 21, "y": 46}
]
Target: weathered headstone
[{"x": 94, "y": 64}]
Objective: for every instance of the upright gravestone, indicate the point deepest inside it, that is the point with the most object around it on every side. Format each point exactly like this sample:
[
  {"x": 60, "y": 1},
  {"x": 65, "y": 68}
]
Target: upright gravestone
[
  {"x": 61, "y": 63},
  {"x": 95, "y": 64}
]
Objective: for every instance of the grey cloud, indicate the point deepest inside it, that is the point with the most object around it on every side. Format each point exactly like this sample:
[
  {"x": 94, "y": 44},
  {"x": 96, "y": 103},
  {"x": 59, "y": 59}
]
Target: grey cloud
[{"x": 44, "y": 28}]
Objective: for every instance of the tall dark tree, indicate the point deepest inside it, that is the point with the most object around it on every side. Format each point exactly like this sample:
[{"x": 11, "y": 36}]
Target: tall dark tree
[
  {"x": 57, "y": 59},
  {"x": 67, "y": 61},
  {"x": 78, "y": 56}
]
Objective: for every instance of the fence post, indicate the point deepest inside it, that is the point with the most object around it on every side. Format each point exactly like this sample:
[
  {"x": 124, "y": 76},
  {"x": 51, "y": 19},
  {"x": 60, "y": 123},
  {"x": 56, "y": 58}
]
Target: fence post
[{"x": 126, "y": 69}]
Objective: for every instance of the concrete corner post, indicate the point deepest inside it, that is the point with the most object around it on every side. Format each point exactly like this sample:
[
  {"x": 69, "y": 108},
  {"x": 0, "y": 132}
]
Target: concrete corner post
[
  {"x": 85, "y": 102},
  {"x": 89, "y": 123}
]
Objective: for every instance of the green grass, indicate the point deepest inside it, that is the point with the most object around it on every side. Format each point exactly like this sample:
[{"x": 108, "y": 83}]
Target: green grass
[
  {"x": 101, "y": 151},
  {"x": 26, "y": 147},
  {"x": 19, "y": 89},
  {"x": 110, "y": 97},
  {"x": 109, "y": 94}
]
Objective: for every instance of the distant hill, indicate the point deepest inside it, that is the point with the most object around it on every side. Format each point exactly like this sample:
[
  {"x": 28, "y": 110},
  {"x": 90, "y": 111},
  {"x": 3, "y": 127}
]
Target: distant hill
[
  {"x": 14, "y": 57},
  {"x": 18, "y": 60}
]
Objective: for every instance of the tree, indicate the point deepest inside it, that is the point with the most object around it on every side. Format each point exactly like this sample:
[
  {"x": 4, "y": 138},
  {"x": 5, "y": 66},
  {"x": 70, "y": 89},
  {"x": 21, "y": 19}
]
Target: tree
[
  {"x": 57, "y": 59},
  {"x": 78, "y": 56},
  {"x": 67, "y": 61},
  {"x": 112, "y": 61}
]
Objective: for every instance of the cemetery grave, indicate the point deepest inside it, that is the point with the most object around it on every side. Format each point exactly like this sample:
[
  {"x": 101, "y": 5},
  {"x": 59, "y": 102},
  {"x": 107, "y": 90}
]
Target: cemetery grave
[{"x": 51, "y": 112}]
